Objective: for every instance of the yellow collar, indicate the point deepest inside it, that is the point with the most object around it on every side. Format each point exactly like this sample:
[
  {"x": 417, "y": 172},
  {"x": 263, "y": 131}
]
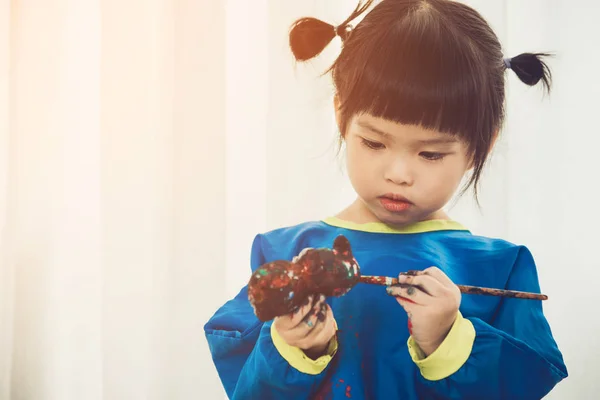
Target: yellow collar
[{"x": 380, "y": 227}]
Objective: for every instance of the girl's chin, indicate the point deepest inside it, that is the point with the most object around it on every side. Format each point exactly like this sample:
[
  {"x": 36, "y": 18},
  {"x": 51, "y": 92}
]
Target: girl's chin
[
  {"x": 407, "y": 217},
  {"x": 397, "y": 219}
]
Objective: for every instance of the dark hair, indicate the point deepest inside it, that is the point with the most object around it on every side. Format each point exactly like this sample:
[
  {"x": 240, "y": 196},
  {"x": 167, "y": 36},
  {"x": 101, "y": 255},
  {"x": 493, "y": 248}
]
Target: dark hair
[{"x": 433, "y": 63}]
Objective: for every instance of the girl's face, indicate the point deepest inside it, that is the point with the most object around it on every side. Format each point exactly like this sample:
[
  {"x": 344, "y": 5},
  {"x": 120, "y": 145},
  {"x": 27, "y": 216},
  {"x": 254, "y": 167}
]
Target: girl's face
[{"x": 402, "y": 173}]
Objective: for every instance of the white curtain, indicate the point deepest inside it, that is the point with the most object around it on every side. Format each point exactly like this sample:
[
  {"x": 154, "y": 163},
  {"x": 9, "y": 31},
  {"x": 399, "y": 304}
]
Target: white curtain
[
  {"x": 143, "y": 143},
  {"x": 112, "y": 195}
]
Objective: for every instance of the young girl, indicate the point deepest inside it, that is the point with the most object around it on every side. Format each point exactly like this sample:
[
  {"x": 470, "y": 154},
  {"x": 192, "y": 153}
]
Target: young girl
[{"x": 419, "y": 103}]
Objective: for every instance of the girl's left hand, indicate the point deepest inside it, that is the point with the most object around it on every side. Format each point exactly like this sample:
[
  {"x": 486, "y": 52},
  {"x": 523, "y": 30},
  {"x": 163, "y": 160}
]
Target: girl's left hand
[{"x": 431, "y": 301}]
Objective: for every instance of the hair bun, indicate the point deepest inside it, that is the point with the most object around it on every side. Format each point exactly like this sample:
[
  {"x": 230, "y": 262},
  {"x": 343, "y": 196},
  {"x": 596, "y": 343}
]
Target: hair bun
[
  {"x": 309, "y": 37},
  {"x": 531, "y": 69}
]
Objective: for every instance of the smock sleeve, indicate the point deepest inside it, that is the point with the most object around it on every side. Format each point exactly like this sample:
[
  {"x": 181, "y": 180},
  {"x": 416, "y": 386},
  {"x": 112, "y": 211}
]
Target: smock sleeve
[{"x": 513, "y": 357}]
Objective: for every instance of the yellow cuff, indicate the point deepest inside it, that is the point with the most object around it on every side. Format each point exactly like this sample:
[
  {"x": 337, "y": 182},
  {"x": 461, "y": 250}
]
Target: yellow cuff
[
  {"x": 300, "y": 361},
  {"x": 450, "y": 356}
]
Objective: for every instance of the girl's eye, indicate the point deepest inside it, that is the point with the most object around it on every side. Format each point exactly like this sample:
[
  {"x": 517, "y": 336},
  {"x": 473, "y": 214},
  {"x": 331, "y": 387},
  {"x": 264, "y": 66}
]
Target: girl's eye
[
  {"x": 373, "y": 145},
  {"x": 431, "y": 156}
]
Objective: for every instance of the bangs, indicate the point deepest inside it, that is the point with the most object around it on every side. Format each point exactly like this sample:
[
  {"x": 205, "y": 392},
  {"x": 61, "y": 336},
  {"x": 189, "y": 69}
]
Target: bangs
[{"x": 421, "y": 71}]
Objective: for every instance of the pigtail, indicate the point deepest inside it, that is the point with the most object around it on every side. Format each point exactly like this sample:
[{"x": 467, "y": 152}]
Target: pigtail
[
  {"x": 531, "y": 69},
  {"x": 309, "y": 36}
]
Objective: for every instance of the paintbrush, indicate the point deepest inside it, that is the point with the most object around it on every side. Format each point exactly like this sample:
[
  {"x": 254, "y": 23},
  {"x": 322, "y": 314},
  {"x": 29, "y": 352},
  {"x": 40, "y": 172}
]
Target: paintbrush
[{"x": 388, "y": 281}]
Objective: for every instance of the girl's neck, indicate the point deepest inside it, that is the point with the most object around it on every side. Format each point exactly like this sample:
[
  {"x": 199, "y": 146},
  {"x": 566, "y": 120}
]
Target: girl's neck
[{"x": 359, "y": 213}]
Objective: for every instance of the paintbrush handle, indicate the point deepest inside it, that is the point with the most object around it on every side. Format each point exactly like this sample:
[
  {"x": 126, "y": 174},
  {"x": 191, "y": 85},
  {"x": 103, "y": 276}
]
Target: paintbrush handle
[
  {"x": 501, "y": 292},
  {"x": 388, "y": 281}
]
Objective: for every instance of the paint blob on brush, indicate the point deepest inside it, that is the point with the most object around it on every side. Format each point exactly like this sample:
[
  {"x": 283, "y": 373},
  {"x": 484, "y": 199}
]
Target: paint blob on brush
[{"x": 281, "y": 287}]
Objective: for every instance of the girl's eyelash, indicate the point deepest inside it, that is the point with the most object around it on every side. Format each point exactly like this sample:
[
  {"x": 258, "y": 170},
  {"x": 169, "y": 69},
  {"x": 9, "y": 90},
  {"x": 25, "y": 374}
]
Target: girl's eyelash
[
  {"x": 373, "y": 145},
  {"x": 427, "y": 155},
  {"x": 432, "y": 156}
]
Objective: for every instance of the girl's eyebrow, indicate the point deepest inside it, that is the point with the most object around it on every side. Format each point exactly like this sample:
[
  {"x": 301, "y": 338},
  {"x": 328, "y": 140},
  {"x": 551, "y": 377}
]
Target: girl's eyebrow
[{"x": 370, "y": 127}]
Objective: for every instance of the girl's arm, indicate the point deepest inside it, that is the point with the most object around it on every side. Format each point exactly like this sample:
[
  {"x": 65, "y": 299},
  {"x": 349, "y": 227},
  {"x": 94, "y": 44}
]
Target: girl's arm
[
  {"x": 253, "y": 362},
  {"x": 513, "y": 357}
]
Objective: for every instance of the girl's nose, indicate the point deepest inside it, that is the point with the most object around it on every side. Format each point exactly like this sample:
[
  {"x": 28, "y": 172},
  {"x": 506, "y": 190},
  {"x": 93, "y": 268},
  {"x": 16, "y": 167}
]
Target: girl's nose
[{"x": 400, "y": 172}]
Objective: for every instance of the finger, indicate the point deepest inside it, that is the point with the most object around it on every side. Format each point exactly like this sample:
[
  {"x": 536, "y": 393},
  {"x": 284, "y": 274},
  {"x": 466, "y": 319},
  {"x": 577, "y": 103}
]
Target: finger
[
  {"x": 328, "y": 327},
  {"x": 310, "y": 325},
  {"x": 311, "y": 317},
  {"x": 309, "y": 322},
  {"x": 322, "y": 312},
  {"x": 403, "y": 277},
  {"x": 425, "y": 283},
  {"x": 410, "y": 309},
  {"x": 321, "y": 333},
  {"x": 440, "y": 276},
  {"x": 298, "y": 316},
  {"x": 409, "y": 292},
  {"x": 408, "y": 305},
  {"x": 320, "y": 318}
]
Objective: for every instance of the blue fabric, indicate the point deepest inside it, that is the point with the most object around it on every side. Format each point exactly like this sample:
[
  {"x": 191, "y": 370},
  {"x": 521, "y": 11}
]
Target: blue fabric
[{"x": 514, "y": 355}]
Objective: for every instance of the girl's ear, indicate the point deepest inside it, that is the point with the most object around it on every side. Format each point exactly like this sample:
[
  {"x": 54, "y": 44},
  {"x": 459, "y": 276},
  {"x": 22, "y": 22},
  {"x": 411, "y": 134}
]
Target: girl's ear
[
  {"x": 494, "y": 139},
  {"x": 338, "y": 113}
]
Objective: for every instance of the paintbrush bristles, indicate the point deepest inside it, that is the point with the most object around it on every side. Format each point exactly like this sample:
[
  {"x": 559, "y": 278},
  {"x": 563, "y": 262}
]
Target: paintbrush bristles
[{"x": 389, "y": 281}]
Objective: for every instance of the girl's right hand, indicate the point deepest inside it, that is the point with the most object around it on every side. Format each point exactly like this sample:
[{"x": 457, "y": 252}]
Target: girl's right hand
[{"x": 310, "y": 328}]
